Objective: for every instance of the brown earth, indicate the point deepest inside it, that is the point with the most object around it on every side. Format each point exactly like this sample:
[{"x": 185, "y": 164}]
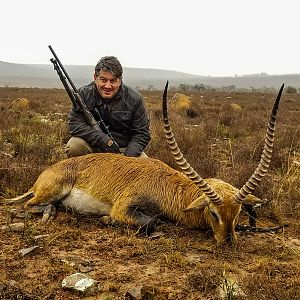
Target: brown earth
[{"x": 178, "y": 263}]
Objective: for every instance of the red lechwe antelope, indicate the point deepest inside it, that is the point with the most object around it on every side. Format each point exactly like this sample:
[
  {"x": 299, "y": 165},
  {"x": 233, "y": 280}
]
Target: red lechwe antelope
[{"x": 137, "y": 191}]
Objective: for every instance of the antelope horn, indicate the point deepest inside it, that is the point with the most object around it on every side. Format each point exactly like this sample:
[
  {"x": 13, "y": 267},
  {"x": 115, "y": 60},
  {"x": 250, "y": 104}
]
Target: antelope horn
[
  {"x": 181, "y": 161},
  {"x": 266, "y": 156}
]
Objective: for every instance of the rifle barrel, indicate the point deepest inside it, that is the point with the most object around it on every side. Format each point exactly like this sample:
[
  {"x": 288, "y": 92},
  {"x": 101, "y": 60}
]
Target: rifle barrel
[{"x": 63, "y": 69}]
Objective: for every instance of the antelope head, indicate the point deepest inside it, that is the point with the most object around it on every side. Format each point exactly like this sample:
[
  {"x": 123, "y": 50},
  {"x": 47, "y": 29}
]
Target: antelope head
[{"x": 220, "y": 201}]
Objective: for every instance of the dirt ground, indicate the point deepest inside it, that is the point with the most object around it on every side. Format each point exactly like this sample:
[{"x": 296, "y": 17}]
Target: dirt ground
[
  {"x": 179, "y": 263},
  {"x": 176, "y": 263}
]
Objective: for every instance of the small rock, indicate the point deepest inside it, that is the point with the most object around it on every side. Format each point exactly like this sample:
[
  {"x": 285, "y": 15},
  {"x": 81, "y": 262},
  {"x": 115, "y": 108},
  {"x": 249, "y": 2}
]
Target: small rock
[
  {"x": 41, "y": 236},
  {"x": 134, "y": 293},
  {"x": 27, "y": 250},
  {"x": 80, "y": 282},
  {"x": 15, "y": 227},
  {"x": 155, "y": 235}
]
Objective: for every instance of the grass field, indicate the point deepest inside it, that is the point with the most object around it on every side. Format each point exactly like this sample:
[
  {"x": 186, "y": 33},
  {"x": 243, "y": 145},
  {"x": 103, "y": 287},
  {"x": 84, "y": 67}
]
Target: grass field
[{"x": 221, "y": 134}]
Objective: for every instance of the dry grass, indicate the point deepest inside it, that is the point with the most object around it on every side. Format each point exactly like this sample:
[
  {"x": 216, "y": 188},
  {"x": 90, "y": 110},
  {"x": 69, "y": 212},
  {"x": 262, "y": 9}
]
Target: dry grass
[{"x": 219, "y": 139}]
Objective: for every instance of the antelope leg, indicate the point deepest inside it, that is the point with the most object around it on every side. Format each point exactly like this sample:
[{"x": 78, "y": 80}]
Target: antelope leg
[{"x": 48, "y": 211}]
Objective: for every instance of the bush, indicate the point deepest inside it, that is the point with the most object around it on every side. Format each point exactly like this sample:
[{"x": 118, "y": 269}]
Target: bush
[{"x": 290, "y": 89}]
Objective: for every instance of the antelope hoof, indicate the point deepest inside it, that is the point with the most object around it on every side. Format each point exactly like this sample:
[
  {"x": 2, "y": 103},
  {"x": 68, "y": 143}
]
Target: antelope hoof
[{"x": 48, "y": 214}]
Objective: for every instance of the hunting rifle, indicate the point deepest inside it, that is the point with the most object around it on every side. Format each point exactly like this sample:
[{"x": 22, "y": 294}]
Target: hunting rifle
[{"x": 78, "y": 102}]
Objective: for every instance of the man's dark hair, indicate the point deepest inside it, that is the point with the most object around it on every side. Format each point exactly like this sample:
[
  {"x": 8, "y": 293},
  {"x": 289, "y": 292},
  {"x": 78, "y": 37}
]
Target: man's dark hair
[{"x": 111, "y": 64}]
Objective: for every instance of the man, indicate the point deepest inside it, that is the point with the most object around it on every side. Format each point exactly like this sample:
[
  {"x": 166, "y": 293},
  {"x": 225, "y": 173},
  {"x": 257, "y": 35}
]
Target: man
[{"x": 121, "y": 108}]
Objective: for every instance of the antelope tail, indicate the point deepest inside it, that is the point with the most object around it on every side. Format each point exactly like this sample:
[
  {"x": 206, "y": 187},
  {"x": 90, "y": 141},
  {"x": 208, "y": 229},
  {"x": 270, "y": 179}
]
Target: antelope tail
[{"x": 18, "y": 199}]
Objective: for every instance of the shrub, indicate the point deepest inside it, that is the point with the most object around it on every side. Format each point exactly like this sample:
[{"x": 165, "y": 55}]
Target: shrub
[{"x": 290, "y": 89}]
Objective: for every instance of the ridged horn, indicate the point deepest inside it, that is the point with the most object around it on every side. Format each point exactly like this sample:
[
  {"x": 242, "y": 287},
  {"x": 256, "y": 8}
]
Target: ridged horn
[
  {"x": 266, "y": 156},
  {"x": 181, "y": 161}
]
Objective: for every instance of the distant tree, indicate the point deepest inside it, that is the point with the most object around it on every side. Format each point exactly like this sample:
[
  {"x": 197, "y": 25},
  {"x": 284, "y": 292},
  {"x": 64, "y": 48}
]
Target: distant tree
[
  {"x": 184, "y": 87},
  {"x": 199, "y": 87},
  {"x": 290, "y": 89},
  {"x": 229, "y": 88}
]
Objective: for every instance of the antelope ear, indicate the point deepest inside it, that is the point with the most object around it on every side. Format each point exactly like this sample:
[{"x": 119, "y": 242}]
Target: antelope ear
[
  {"x": 252, "y": 200},
  {"x": 198, "y": 204}
]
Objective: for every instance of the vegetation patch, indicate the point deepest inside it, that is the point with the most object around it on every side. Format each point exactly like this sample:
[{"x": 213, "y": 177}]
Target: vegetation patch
[{"x": 219, "y": 140}]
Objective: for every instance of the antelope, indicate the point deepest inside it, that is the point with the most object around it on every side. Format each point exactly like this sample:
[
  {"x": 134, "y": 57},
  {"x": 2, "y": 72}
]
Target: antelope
[{"x": 139, "y": 191}]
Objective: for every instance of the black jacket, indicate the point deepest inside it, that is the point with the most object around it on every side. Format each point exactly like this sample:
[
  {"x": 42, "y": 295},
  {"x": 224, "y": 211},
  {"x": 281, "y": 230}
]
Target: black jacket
[{"x": 124, "y": 114}]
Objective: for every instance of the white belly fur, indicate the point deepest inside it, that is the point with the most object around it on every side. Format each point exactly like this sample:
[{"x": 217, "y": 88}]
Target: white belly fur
[{"x": 83, "y": 203}]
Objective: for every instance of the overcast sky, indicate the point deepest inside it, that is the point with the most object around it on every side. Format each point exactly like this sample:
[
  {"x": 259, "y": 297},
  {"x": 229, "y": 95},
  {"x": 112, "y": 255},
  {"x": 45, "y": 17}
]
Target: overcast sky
[{"x": 211, "y": 37}]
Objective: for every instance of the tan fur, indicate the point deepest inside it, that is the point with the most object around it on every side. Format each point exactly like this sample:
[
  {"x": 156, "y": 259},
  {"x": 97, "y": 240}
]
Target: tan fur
[{"x": 117, "y": 181}]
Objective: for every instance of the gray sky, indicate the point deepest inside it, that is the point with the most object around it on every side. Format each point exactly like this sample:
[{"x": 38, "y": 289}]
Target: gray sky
[{"x": 210, "y": 37}]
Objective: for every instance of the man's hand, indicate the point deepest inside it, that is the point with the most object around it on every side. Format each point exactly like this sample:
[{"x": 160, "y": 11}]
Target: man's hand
[{"x": 112, "y": 147}]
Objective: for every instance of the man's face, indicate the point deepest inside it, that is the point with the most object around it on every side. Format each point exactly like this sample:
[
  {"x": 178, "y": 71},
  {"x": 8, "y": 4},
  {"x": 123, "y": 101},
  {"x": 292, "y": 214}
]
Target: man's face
[{"x": 107, "y": 84}]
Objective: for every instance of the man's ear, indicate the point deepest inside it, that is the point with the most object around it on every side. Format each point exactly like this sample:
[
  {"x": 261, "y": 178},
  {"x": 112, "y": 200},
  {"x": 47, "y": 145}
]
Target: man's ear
[
  {"x": 197, "y": 204},
  {"x": 252, "y": 200}
]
